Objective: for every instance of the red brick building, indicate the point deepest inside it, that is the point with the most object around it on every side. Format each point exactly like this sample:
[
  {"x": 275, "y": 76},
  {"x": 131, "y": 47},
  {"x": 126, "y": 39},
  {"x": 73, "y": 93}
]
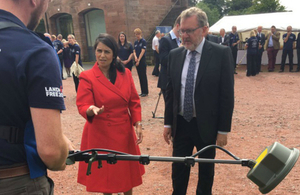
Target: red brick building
[{"x": 87, "y": 18}]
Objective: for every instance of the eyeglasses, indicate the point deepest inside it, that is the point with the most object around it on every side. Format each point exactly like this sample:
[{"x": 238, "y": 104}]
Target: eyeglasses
[{"x": 188, "y": 31}]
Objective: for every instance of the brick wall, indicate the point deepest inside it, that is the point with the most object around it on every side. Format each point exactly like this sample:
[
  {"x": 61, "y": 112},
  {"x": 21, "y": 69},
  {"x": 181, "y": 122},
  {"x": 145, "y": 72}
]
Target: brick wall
[{"x": 120, "y": 15}]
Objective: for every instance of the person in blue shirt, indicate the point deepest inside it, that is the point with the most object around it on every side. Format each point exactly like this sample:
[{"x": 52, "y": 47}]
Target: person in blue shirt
[
  {"x": 59, "y": 46},
  {"x": 288, "y": 44},
  {"x": 139, "y": 53},
  {"x": 252, "y": 49},
  {"x": 125, "y": 51},
  {"x": 31, "y": 138},
  {"x": 233, "y": 43},
  {"x": 75, "y": 56}
]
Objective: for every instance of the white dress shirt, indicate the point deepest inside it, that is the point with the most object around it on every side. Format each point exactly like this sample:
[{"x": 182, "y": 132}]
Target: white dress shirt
[
  {"x": 155, "y": 42},
  {"x": 184, "y": 75},
  {"x": 183, "y": 79}
]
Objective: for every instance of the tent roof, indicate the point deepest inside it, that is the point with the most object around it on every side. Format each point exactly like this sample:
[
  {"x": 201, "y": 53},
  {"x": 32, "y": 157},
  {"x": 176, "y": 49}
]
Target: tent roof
[{"x": 249, "y": 22}]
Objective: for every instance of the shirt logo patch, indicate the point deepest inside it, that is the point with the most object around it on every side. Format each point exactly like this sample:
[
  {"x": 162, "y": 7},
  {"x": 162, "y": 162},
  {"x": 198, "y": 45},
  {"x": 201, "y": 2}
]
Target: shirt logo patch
[{"x": 54, "y": 92}]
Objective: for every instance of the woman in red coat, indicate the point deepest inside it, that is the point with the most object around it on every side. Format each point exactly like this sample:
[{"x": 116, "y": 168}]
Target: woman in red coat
[{"x": 109, "y": 102}]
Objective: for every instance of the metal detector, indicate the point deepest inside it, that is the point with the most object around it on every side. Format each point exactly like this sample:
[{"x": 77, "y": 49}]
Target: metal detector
[
  {"x": 267, "y": 171},
  {"x": 153, "y": 113}
]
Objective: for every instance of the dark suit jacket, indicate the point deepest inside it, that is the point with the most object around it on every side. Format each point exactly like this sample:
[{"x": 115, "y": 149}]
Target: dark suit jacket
[
  {"x": 212, "y": 38},
  {"x": 214, "y": 90},
  {"x": 226, "y": 40},
  {"x": 298, "y": 41},
  {"x": 262, "y": 41},
  {"x": 166, "y": 44}
]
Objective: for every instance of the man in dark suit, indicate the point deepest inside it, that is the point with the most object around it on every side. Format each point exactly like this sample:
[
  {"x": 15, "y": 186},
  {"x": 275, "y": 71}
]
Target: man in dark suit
[
  {"x": 199, "y": 99},
  {"x": 298, "y": 52},
  {"x": 212, "y": 38},
  {"x": 167, "y": 43},
  {"x": 223, "y": 39},
  {"x": 261, "y": 42}
]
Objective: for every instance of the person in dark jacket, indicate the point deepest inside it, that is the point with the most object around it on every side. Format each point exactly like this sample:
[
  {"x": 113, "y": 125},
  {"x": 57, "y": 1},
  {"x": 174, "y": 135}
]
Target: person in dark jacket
[
  {"x": 223, "y": 39},
  {"x": 252, "y": 47},
  {"x": 298, "y": 52},
  {"x": 261, "y": 42},
  {"x": 167, "y": 43},
  {"x": 233, "y": 42}
]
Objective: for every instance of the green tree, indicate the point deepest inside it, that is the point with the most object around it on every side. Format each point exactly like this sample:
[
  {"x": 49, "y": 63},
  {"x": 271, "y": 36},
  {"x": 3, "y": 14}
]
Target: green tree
[
  {"x": 266, "y": 6},
  {"x": 237, "y": 7},
  {"x": 213, "y": 14},
  {"x": 218, "y": 4}
]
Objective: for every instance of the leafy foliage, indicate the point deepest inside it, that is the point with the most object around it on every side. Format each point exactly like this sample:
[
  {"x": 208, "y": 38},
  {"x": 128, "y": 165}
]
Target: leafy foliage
[{"x": 212, "y": 13}]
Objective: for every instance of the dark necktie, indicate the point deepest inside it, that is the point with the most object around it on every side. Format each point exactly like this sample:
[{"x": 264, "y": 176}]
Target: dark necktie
[{"x": 189, "y": 89}]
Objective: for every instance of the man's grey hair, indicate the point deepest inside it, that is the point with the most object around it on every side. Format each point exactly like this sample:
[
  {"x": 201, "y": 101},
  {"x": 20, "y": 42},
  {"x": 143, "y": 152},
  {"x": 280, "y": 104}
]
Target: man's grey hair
[
  {"x": 156, "y": 32},
  {"x": 194, "y": 11}
]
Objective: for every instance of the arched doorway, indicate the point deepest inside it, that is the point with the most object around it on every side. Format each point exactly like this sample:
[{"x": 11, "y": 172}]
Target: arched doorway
[
  {"x": 41, "y": 27},
  {"x": 64, "y": 25},
  {"x": 94, "y": 25}
]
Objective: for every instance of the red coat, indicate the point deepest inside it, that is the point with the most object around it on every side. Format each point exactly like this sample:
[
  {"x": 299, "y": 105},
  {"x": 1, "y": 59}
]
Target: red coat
[{"x": 112, "y": 129}]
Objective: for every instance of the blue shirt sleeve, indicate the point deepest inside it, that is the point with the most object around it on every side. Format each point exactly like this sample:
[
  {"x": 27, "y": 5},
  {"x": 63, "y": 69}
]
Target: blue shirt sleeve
[
  {"x": 130, "y": 49},
  {"x": 44, "y": 85},
  {"x": 144, "y": 44},
  {"x": 77, "y": 49}
]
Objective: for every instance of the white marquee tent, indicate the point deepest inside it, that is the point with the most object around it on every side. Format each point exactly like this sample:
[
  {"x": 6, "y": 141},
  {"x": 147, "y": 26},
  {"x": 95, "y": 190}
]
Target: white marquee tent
[
  {"x": 249, "y": 22},
  {"x": 246, "y": 23}
]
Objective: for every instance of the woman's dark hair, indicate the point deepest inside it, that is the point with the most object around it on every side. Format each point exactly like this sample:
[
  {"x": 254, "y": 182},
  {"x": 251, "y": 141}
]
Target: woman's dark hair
[
  {"x": 126, "y": 44},
  {"x": 116, "y": 64}
]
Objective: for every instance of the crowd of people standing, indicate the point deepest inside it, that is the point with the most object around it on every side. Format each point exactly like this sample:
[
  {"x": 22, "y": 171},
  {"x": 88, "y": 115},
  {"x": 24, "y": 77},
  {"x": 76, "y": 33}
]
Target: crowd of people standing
[{"x": 258, "y": 42}]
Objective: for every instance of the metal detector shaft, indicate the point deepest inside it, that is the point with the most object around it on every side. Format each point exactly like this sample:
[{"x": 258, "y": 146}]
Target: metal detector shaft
[
  {"x": 153, "y": 113},
  {"x": 144, "y": 159}
]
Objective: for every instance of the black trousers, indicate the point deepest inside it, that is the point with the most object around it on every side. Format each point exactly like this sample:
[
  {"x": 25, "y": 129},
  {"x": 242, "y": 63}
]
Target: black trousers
[
  {"x": 76, "y": 81},
  {"x": 163, "y": 91},
  {"x": 234, "y": 51},
  {"x": 283, "y": 59},
  {"x": 186, "y": 138},
  {"x": 298, "y": 56},
  {"x": 142, "y": 73},
  {"x": 258, "y": 61},
  {"x": 157, "y": 62},
  {"x": 251, "y": 64}
]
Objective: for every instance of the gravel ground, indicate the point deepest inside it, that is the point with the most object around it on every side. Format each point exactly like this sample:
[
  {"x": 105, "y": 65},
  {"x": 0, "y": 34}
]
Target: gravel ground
[{"x": 266, "y": 110}]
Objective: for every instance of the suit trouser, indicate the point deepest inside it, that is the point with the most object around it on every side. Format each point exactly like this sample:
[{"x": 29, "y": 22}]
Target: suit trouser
[
  {"x": 251, "y": 64},
  {"x": 76, "y": 81},
  {"x": 157, "y": 62},
  {"x": 25, "y": 185},
  {"x": 234, "y": 51},
  {"x": 283, "y": 59},
  {"x": 258, "y": 61},
  {"x": 272, "y": 53},
  {"x": 142, "y": 73},
  {"x": 186, "y": 138},
  {"x": 298, "y": 56}
]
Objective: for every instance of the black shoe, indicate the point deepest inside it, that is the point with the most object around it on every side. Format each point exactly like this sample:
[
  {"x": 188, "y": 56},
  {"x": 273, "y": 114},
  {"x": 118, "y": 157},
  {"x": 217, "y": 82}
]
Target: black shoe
[
  {"x": 291, "y": 71},
  {"x": 63, "y": 79},
  {"x": 140, "y": 94},
  {"x": 260, "y": 71},
  {"x": 281, "y": 71},
  {"x": 235, "y": 72},
  {"x": 144, "y": 95},
  {"x": 297, "y": 70}
]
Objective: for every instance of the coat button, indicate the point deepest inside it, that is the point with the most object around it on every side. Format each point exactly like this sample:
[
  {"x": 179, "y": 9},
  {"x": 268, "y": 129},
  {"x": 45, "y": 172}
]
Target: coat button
[
  {"x": 107, "y": 115},
  {"x": 108, "y": 124}
]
